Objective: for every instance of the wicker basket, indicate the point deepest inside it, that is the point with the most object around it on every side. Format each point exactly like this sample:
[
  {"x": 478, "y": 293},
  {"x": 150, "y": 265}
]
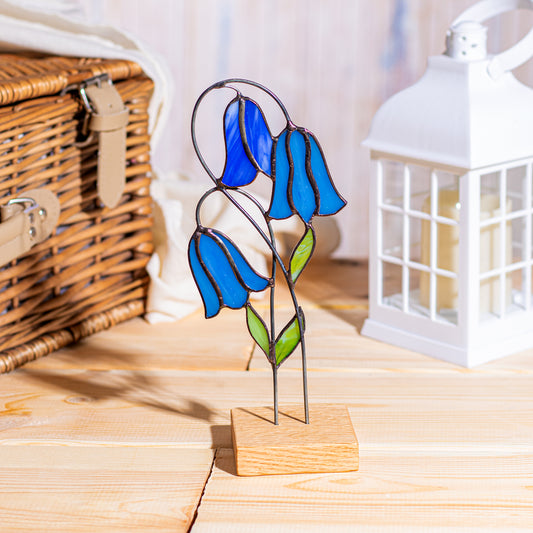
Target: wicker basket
[{"x": 90, "y": 273}]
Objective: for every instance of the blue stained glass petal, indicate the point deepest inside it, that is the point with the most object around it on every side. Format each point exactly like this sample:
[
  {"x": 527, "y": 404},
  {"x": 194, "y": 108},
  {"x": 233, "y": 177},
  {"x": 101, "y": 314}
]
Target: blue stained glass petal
[
  {"x": 330, "y": 201},
  {"x": 238, "y": 170},
  {"x": 251, "y": 278},
  {"x": 233, "y": 293},
  {"x": 258, "y": 136},
  {"x": 207, "y": 292},
  {"x": 279, "y": 207},
  {"x": 303, "y": 195}
]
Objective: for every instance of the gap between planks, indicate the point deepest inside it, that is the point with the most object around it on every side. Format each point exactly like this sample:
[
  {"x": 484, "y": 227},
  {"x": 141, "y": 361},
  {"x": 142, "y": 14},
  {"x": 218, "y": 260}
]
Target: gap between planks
[{"x": 196, "y": 510}]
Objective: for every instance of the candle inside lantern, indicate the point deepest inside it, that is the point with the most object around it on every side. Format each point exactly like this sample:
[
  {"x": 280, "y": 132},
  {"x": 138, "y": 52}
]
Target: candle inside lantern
[{"x": 447, "y": 256}]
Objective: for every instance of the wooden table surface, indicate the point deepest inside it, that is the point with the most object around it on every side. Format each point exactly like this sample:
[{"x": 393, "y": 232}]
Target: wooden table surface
[{"x": 129, "y": 430}]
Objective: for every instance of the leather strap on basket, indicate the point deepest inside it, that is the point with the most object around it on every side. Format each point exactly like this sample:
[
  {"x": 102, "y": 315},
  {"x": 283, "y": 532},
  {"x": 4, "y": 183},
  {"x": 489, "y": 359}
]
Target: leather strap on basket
[
  {"x": 108, "y": 120},
  {"x": 26, "y": 221}
]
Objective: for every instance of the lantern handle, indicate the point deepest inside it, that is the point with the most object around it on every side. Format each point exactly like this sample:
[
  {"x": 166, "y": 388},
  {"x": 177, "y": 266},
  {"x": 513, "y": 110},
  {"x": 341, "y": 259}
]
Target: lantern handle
[{"x": 514, "y": 56}]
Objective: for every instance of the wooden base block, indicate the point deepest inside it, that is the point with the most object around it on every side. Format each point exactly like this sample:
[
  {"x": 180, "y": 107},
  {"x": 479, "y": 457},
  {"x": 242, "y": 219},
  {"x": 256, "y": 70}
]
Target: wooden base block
[{"x": 327, "y": 444}]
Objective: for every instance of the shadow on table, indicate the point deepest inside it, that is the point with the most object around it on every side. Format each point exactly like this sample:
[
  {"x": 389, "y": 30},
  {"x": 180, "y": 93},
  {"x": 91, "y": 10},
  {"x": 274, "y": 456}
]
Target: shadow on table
[
  {"x": 225, "y": 461},
  {"x": 221, "y": 436},
  {"x": 222, "y": 443},
  {"x": 130, "y": 386}
]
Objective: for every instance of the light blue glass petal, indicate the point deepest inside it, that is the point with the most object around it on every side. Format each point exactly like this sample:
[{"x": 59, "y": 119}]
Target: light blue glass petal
[
  {"x": 233, "y": 293},
  {"x": 207, "y": 292},
  {"x": 330, "y": 201},
  {"x": 279, "y": 207},
  {"x": 251, "y": 278},
  {"x": 238, "y": 170},
  {"x": 303, "y": 195}
]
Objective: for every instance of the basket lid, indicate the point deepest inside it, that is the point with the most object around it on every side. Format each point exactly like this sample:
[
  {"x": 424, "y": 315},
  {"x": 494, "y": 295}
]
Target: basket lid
[{"x": 25, "y": 76}]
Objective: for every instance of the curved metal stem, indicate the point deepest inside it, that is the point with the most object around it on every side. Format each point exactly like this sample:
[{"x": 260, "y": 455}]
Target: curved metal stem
[
  {"x": 273, "y": 336},
  {"x": 271, "y": 244},
  {"x": 275, "y": 381}
]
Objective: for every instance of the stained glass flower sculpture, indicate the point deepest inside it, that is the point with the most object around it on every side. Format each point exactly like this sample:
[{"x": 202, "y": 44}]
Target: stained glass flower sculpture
[{"x": 301, "y": 186}]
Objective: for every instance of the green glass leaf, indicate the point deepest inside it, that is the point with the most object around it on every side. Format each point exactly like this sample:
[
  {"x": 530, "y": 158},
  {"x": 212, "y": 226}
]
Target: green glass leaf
[
  {"x": 257, "y": 329},
  {"x": 287, "y": 340},
  {"x": 302, "y": 253}
]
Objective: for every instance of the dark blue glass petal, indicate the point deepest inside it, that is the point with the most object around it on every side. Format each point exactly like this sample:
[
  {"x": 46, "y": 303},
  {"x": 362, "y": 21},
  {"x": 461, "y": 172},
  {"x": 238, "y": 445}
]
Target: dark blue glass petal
[
  {"x": 238, "y": 170},
  {"x": 253, "y": 280},
  {"x": 233, "y": 293},
  {"x": 330, "y": 201},
  {"x": 207, "y": 291},
  {"x": 244, "y": 159},
  {"x": 257, "y": 135},
  {"x": 303, "y": 195},
  {"x": 279, "y": 206}
]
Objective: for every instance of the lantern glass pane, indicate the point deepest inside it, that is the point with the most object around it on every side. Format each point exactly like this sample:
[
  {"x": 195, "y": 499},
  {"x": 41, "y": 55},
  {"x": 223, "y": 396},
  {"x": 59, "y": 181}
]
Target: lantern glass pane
[
  {"x": 531, "y": 236},
  {"x": 420, "y": 188},
  {"x": 414, "y": 293},
  {"x": 392, "y": 284},
  {"x": 447, "y": 298},
  {"x": 447, "y": 256},
  {"x": 393, "y": 182},
  {"x": 490, "y": 243},
  {"x": 448, "y": 195},
  {"x": 517, "y": 188},
  {"x": 490, "y": 195},
  {"x": 392, "y": 234},
  {"x": 415, "y": 232},
  {"x": 518, "y": 243},
  {"x": 516, "y": 282},
  {"x": 489, "y": 298}
]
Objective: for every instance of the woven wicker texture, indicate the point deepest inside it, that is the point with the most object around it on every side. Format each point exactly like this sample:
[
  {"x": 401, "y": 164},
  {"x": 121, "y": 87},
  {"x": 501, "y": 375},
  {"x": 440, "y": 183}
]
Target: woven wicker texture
[{"x": 90, "y": 274}]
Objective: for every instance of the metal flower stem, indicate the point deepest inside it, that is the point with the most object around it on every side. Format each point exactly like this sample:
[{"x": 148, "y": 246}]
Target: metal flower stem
[
  {"x": 270, "y": 242},
  {"x": 273, "y": 335},
  {"x": 276, "y": 257}
]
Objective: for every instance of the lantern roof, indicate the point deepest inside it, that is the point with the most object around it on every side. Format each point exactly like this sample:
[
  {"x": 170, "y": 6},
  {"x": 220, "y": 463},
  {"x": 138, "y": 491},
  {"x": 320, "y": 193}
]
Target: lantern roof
[{"x": 464, "y": 112}]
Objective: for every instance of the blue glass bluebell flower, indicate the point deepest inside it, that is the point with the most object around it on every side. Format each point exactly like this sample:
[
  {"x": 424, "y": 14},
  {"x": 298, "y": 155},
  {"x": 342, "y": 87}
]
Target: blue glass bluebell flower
[
  {"x": 222, "y": 274},
  {"x": 302, "y": 183},
  {"x": 248, "y": 143}
]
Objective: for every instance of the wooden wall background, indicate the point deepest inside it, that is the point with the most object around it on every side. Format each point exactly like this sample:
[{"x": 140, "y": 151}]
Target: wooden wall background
[{"x": 333, "y": 62}]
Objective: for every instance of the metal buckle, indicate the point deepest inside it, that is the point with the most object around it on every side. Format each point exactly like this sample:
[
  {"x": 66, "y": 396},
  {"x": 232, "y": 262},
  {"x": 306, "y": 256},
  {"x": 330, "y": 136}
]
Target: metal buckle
[
  {"x": 80, "y": 88},
  {"x": 30, "y": 209},
  {"x": 95, "y": 80},
  {"x": 23, "y": 200},
  {"x": 32, "y": 206}
]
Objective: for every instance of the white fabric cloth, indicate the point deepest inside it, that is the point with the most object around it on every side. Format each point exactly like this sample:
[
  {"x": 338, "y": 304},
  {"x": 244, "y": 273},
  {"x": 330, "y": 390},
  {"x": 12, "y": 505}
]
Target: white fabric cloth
[{"x": 57, "y": 27}]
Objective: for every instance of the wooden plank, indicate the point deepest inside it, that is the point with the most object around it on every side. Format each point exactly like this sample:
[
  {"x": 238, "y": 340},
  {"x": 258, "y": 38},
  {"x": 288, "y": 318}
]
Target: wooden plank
[
  {"x": 401, "y": 492},
  {"x": 191, "y": 409},
  {"x": 184, "y": 345},
  {"x": 85, "y": 489},
  {"x": 327, "y": 444},
  {"x": 109, "y": 407}
]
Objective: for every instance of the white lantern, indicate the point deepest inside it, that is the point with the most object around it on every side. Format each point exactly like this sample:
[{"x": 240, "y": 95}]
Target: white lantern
[{"x": 451, "y": 202}]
